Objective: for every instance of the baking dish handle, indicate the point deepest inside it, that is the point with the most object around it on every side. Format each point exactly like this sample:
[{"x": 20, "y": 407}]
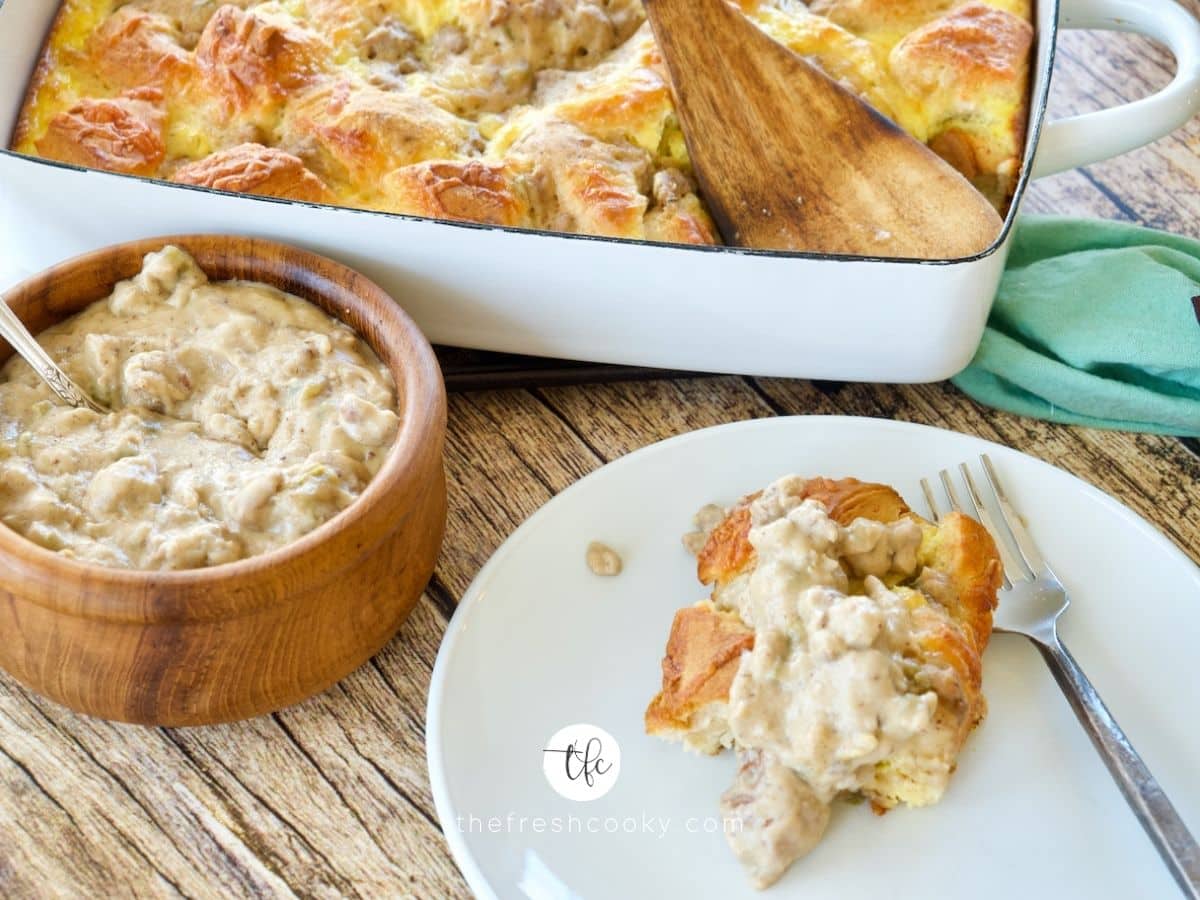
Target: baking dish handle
[{"x": 1091, "y": 137}]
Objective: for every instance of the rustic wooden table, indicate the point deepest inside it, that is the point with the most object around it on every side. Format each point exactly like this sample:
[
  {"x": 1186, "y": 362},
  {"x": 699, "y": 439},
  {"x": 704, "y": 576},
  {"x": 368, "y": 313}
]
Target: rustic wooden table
[{"x": 331, "y": 797}]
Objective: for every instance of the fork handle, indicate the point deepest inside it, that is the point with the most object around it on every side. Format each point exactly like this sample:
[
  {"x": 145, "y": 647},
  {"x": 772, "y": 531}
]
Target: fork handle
[{"x": 1149, "y": 802}]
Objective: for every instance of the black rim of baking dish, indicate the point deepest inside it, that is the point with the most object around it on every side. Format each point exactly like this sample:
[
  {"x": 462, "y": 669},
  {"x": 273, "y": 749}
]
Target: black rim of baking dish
[{"x": 1036, "y": 119}]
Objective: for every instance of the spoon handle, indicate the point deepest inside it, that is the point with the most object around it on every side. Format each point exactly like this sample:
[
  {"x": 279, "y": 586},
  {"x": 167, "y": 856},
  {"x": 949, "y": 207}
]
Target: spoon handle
[{"x": 14, "y": 331}]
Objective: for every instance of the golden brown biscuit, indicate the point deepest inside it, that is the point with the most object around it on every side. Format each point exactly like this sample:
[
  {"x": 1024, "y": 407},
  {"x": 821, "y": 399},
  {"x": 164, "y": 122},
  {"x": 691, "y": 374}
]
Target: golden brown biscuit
[
  {"x": 124, "y": 134},
  {"x": 362, "y": 133},
  {"x": 969, "y": 71},
  {"x": 843, "y": 55},
  {"x": 338, "y": 21},
  {"x": 134, "y": 48},
  {"x": 255, "y": 169},
  {"x": 963, "y": 553},
  {"x": 189, "y": 15},
  {"x": 254, "y": 60},
  {"x": 703, "y": 652},
  {"x": 583, "y": 184},
  {"x": 886, "y": 19},
  {"x": 471, "y": 191},
  {"x": 627, "y": 98},
  {"x": 682, "y": 220},
  {"x": 728, "y": 552}
]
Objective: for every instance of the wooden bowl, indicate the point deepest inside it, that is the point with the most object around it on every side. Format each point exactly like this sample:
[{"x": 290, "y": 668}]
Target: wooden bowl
[{"x": 236, "y": 640}]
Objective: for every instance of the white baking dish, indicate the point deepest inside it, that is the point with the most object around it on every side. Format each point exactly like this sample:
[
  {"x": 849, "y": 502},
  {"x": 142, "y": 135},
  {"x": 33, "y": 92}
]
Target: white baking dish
[{"x": 706, "y": 309}]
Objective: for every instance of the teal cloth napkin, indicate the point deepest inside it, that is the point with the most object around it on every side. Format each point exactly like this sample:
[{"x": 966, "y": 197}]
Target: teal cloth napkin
[{"x": 1095, "y": 323}]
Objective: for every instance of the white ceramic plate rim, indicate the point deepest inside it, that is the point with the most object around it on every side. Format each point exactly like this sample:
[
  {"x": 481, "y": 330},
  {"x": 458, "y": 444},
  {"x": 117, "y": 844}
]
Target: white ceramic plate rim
[{"x": 476, "y": 590}]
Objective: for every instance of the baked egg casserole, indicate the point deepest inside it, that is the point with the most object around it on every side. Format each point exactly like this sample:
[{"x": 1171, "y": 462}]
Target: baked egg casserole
[
  {"x": 839, "y": 655},
  {"x": 541, "y": 114}
]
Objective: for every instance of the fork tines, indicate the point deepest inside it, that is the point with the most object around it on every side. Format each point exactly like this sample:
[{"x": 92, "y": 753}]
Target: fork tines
[{"x": 997, "y": 515}]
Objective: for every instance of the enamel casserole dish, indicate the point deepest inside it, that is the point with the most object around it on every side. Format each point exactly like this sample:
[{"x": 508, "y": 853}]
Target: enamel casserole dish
[{"x": 699, "y": 308}]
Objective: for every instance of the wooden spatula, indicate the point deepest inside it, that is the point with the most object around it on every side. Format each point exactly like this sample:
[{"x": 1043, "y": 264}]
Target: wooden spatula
[{"x": 790, "y": 160}]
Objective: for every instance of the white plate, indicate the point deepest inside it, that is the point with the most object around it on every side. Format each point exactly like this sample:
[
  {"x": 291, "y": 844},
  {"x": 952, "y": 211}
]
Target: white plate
[{"x": 539, "y": 643}]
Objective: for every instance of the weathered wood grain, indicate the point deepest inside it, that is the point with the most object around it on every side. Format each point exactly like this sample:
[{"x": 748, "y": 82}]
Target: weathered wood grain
[
  {"x": 1153, "y": 186},
  {"x": 506, "y": 457},
  {"x": 328, "y": 798},
  {"x": 1154, "y": 475},
  {"x": 331, "y": 798}
]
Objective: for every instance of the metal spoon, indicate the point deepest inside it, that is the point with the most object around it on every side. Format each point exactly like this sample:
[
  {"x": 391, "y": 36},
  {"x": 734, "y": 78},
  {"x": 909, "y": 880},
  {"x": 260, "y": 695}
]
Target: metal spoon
[{"x": 14, "y": 331}]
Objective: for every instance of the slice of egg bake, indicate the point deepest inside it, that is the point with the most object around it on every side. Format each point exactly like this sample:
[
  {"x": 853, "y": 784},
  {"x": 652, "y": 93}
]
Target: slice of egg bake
[{"x": 838, "y": 654}]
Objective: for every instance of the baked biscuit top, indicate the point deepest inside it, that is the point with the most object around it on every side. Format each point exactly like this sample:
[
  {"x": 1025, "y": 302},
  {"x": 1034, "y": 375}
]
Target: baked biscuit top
[{"x": 543, "y": 114}]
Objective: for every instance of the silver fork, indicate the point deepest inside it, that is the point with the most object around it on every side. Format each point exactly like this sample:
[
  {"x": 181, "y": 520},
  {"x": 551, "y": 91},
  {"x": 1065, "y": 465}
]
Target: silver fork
[{"x": 1032, "y": 600}]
